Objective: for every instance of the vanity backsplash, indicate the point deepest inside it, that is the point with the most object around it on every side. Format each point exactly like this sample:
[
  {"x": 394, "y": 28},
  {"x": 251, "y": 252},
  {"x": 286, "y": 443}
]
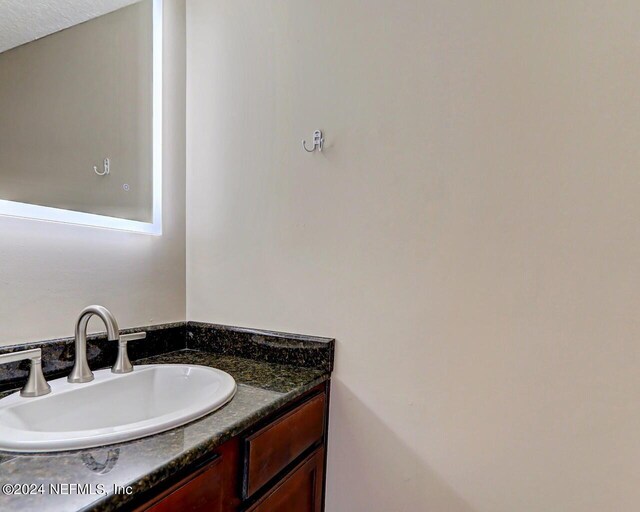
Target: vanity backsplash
[{"x": 269, "y": 346}]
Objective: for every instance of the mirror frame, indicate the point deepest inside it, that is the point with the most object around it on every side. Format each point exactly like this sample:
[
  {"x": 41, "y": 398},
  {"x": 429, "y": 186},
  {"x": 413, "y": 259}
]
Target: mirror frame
[{"x": 47, "y": 213}]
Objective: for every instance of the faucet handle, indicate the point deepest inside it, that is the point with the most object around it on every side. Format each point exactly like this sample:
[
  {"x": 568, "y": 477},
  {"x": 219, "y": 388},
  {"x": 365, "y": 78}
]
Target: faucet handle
[
  {"x": 123, "y": 365},
  {"x": 36, "y": 383}
]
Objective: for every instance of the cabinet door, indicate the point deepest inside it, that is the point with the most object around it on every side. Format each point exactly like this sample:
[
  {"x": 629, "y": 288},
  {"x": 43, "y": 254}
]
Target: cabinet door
[
  {"x": 299, "y": 491},
  {"x": 201, "y": 492},
  {"x": 212, "y": 488}
]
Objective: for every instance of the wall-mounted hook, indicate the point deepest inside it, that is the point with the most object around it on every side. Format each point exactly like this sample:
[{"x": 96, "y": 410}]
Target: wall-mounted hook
[
  {"x": 318, "y": 142},
  {"x": 106, "y": 168}
]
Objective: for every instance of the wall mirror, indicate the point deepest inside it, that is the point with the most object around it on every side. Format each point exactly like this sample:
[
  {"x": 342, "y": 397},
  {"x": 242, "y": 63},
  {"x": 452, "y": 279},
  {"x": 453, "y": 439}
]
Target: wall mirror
[{"x": 81, "y": 112}]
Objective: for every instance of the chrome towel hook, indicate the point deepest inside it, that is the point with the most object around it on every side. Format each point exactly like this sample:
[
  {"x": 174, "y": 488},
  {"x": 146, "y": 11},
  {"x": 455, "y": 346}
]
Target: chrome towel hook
[
  {"x": 318, "y": 142},
  {"x": 106, "y": 168}
]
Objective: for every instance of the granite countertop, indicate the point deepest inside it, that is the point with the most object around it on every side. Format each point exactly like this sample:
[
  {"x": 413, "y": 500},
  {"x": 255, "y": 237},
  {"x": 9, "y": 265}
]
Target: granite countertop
[{"x": 262, "y": 388}]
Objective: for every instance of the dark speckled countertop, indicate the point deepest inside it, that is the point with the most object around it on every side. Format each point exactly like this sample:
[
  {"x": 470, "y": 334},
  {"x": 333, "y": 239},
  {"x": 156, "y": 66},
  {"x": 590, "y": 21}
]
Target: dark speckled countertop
[{"x": 262, "y": 388}]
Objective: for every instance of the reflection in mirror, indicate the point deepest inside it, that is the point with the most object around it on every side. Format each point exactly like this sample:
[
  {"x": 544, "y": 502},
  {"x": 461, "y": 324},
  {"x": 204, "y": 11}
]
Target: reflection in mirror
[
  {"x": 102, "y": 468},
  {"x": 80, "y": 102}
]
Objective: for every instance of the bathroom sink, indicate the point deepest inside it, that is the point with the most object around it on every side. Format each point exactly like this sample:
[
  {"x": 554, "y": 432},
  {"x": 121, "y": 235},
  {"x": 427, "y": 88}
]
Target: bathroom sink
[{"x": 112, "y": 408}]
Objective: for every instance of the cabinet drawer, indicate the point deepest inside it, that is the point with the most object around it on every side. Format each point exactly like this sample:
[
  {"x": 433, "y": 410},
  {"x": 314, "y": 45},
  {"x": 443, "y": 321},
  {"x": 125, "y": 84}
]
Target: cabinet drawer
[
  {"x": 299, "y": 491},
  {"x": 273, "y": 448}
]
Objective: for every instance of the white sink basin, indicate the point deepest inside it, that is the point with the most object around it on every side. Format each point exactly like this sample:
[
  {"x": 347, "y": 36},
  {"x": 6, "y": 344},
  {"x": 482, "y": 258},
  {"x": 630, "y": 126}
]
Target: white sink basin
[{"x": 112, "y": 408}]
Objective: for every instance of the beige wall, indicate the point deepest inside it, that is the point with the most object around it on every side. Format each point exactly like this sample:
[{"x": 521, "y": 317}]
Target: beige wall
[
  {"x": 470, "y": 236},
  {"x": 71, "y": 99},
  {"x": 49, "y": 272}
]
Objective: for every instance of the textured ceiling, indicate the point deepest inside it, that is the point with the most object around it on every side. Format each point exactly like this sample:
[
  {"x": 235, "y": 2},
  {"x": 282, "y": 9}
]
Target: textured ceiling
[{"x": 22, "y": 21}]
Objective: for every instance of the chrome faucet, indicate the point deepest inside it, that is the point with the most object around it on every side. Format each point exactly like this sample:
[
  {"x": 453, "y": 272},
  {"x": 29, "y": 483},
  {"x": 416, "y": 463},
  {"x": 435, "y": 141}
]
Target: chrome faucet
[{"x": 81, "y": 371}]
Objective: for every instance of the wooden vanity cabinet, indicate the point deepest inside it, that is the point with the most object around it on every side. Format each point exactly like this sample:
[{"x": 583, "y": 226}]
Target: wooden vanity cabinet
[
  {"x": 198, "y": 492},
  {"x": 209, "y": 488},
  {"x": 277, "y": 466},
  {"x": 300, "y": 490},
  {"x": 276, "y": 446}
]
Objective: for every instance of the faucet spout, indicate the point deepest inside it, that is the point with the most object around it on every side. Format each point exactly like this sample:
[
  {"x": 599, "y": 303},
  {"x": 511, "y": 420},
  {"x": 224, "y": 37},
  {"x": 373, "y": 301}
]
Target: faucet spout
[{"x": 81, "y": 371}]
